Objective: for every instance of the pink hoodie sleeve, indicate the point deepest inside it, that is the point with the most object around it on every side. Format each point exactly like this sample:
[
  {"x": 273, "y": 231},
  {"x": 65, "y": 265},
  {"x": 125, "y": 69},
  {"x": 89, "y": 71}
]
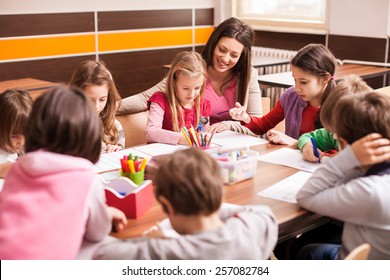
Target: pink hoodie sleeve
[{"x": 99, "y": 222}]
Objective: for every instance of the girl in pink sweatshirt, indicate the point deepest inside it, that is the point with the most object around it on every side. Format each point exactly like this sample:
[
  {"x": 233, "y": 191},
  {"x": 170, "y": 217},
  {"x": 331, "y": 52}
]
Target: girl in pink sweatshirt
[{"x": 52, "y": 200}]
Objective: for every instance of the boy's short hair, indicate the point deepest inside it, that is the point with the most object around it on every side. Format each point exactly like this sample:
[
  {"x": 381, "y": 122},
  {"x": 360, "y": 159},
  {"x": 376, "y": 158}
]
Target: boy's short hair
[
  {"x": 356, "y": 116},
  {"x": 191, "y": 181},
  {"x": 351, "y": 84},
  {"x": 63, "y": 121}
]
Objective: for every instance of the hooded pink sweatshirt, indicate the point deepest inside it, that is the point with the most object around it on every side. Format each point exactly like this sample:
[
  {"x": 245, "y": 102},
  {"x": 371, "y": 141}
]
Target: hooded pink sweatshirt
[{"x": 49, "y": 203}]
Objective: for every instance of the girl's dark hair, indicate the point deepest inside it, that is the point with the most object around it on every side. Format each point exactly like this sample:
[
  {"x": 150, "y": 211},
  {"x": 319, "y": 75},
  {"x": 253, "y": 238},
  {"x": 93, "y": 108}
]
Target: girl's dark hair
[
  {"x": 63, "y": 121},
  {"x": 191, "y": 181},
  {"x": 319, "y": 61},
  {"x": 243, "y": 33},
  {"x": 15, "y": 107}
]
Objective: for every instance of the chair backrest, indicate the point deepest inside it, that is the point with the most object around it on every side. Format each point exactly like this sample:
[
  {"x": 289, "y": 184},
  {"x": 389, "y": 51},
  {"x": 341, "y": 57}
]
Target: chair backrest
[
  {"x": 359, "y": 253},
  {"x": 266, "y": 105},
  {"x": 134, "y": 127}
]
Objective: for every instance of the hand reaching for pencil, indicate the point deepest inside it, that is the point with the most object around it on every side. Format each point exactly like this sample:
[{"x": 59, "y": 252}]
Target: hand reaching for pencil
[{"x": 239, "y": 113}]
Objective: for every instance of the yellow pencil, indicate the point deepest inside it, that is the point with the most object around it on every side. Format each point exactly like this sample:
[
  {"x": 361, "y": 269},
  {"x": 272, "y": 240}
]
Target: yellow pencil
[
  {"x": 143, "y": 164},
  {"x": 131, "y": 165},
  {"x": 186, "y": 136}
]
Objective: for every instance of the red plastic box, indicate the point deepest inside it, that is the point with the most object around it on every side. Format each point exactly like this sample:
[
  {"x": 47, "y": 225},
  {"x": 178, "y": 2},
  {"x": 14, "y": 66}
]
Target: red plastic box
[{"x": 133, "y": 200}]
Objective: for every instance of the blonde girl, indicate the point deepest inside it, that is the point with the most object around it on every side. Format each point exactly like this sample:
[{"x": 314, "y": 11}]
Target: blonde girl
[
  {"x": 182, "y": 103},
  {"x": 96, "y": 81}
]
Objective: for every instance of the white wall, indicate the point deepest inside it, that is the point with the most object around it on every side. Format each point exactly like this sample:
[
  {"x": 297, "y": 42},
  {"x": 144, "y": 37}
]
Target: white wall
[
  {"x": 53, "y": 6},
  {"x": 366, "y": 18}
]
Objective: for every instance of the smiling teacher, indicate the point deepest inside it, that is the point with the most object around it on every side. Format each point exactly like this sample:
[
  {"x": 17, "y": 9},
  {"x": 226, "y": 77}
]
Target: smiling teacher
[{"x": 230, "y": 77}]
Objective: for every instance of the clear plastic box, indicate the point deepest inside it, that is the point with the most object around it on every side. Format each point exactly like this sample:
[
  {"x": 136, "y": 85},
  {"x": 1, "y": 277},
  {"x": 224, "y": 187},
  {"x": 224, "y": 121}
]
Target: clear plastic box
[{"x": 244, "y": 168}]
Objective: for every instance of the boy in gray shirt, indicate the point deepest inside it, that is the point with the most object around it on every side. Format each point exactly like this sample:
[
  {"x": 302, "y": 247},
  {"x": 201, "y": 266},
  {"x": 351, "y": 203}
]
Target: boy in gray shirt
[
  {"x": 353, "y": 187},
  {"x": 189, "y": 187}
]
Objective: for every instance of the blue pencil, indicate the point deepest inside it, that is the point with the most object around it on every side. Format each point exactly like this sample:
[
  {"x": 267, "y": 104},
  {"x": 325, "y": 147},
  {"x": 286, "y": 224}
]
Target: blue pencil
[{"x": 313, "y": 142}]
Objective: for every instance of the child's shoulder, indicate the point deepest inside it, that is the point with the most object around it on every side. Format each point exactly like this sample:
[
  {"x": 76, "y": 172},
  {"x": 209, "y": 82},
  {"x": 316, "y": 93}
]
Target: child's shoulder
[
  {"x": 205, "y": 106},
  {"x": 291, "y": 95},
  {"x": 158, "y": 96}
]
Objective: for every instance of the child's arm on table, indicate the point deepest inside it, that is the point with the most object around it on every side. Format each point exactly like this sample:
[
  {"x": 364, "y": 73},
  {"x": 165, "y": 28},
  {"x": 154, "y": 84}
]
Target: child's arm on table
[
  {"x": 119, "y": 219},
  {"x": 323, "y": 139},
  {"x": 155, "y": 132}
]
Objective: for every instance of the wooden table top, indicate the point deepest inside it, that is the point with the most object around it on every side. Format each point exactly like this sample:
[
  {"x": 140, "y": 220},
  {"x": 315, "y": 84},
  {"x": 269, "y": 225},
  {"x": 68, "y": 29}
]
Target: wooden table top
[
  {"x": 291, "y": 217},
  {"x": 264, "y": 61},
  {"x": 34, "y": 86}
]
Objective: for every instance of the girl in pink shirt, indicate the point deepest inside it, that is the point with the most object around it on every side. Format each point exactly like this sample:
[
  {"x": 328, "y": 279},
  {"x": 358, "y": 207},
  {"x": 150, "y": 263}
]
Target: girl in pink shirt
[
  {"x": 182, "y": 103},
  {"x": 52, "y": 200}
]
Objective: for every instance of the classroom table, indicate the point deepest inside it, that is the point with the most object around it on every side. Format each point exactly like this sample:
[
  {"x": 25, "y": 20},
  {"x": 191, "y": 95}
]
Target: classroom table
[
  {"x": 292, "y": 219},
  {"x": 34, "y": 86},
  {"x": 265, "y": 61},
  {"x": 285, "y": 79}
]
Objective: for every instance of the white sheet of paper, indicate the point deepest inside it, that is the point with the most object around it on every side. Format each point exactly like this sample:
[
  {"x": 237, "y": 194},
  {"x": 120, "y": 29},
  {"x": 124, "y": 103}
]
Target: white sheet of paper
[
  {"x": 289, "y": 157},
  {"x": 231, "y": 138},
  {"x": 156, "y": 149},
  {"x": 287, "y": 189},
  {"x": 111, "y": 161}
]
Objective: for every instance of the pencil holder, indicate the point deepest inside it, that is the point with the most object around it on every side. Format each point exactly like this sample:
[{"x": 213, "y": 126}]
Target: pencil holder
[
  {"x": 137, "y": 177},
  {"x": 128, "y": 197}
]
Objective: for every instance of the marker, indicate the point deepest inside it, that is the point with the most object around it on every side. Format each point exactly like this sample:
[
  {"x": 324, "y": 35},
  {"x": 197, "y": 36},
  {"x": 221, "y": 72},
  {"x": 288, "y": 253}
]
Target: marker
[{"x": 313, "y": 142}]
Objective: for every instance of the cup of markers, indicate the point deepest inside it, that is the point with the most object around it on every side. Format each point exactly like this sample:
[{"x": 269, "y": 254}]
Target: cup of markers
[{"x": 133, "y": 168}]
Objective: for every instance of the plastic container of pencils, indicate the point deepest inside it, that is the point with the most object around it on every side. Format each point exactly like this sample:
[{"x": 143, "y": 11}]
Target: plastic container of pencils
[{"x": 237, "y": 165}]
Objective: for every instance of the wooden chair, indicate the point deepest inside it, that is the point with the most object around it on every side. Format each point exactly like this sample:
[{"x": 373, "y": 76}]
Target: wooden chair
[
  {"x": 359, "y": 253},
  {"x": 266, "y": 105},
  {"x": 134, "y": 127}
]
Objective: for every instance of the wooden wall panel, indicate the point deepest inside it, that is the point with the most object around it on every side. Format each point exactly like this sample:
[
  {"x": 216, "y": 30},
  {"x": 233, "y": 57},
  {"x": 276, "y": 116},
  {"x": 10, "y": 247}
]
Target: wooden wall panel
[
  {"x": 204, "y": 17},
  {"x": 42, "y": 24},
  {"x": 286, "y": 41},
  {"x": 54, "y": 70},
  {"x": 143, "y": 19},
  {"x": 358, "y": 48},
  {"x": 135, "y": 72},
  {"x": 135, "y": 69}
]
